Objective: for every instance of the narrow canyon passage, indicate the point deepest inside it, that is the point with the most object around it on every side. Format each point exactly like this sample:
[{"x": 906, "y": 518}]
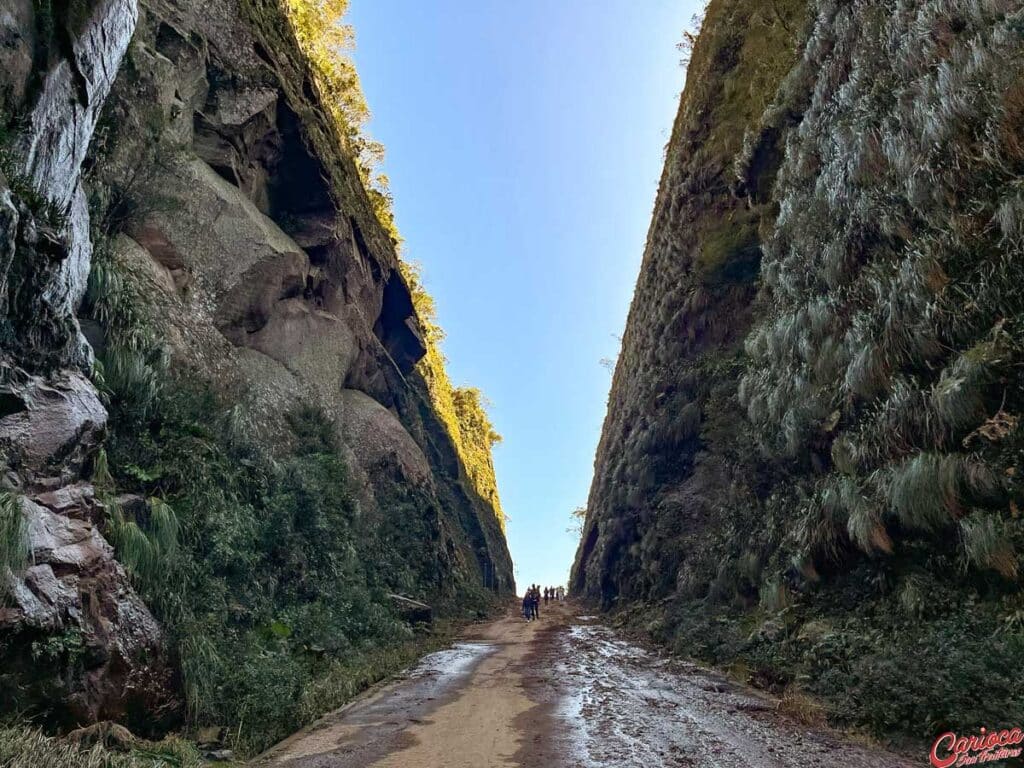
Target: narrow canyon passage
[{"x": 565, "y": 691}]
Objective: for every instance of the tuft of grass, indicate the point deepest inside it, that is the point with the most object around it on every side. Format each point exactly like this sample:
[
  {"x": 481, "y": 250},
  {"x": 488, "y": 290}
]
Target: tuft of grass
[
  {"x": 803, "y": 708},
  {"x": 22, "y": 747},
  {"x": 14, "y": 544},
  {"x": 930, "y": 491},
  {"x": 913, "y": 596},
  {"x": 774, "y": 596},
  {"x": 147, "y": 550},
  {"x": 986, "y": 544}
]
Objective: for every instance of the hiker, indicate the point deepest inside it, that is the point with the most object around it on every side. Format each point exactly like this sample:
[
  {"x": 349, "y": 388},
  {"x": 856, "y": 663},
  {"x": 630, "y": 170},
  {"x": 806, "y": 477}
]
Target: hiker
[
  {"x": 527, "y": 606},
  {"x": 547, "y": 595},
  {"x": 536, "y": 601}
]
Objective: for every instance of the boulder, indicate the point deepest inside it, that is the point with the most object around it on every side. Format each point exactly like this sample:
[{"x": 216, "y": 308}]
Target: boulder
[
  {"x": 380, "y": 442},
  {"x": 412, "y": 611},
  {"x": 75, "y": 600},
  {"x": 48, "y": 426}
]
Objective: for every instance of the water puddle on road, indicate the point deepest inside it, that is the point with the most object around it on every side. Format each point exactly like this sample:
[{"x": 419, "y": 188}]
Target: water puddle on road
[
  {"x": 373, "y": 726},
  {"x": 451, "y": 662}
]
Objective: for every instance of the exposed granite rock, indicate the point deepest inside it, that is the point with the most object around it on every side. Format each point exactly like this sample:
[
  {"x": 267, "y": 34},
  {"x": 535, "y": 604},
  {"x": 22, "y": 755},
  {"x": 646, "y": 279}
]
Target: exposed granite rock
[
  {"x": 17, "y": 49},
  {"x": 264, "y": 276},
  {"x": 48, "y": 426},
  {"x": 379, "y": 440},
  {"x": 55, "y": 138},
  {"x": 73, "y": 604},
  {"x": 75, "y": 590},
  {"x": 264, "y": 269}
]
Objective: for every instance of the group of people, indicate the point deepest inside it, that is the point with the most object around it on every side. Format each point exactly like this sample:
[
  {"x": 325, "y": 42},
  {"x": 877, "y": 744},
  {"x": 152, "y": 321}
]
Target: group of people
[{"x": 531, "y": 601}]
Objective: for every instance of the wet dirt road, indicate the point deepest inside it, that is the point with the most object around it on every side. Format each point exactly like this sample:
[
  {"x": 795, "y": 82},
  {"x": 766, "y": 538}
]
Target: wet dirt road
[{"x": 563, "y": 692}]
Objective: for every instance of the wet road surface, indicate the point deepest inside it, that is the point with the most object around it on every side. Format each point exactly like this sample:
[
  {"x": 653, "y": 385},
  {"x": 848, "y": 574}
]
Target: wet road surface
[{"x": 564, "y": 692}]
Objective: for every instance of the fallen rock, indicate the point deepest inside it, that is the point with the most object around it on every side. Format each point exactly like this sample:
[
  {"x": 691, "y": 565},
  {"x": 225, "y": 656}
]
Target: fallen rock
[{"x": 412, "y": 611}]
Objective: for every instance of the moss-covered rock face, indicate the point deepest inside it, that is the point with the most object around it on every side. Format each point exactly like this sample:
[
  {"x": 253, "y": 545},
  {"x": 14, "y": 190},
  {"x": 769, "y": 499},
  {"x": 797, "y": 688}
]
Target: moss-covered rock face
[
  {"x": 274, "y": 467},
  {"x": 815, "y": 415}
]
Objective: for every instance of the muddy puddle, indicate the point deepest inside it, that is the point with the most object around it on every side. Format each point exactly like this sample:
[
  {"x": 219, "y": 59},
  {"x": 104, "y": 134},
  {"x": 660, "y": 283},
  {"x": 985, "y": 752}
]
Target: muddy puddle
[
  {"x": 374, "y": 726},
  {"x": 623, "y": 705}
]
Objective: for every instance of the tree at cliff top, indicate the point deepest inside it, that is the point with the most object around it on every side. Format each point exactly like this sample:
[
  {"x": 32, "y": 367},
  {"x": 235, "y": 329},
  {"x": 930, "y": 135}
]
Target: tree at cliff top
[{"x": 325, "y": 39}]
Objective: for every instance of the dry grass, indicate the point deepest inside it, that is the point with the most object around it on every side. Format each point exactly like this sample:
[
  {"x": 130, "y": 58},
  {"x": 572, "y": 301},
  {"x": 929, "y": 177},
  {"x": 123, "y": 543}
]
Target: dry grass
[
  {"x": 803, "y": 708},
  {"x": 24, "y": 748}
]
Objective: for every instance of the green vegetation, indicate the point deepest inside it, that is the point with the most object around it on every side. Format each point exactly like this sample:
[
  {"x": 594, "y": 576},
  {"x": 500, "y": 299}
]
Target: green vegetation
[
  {"x": 846, "y": 522},
  {"x": 462, "y": 409},
  {"x": 21, "y": 747},
  {"x": 14, "y": 546},
  {"x": 270, "y": 583},
  {"x": 914, "y": 662}
]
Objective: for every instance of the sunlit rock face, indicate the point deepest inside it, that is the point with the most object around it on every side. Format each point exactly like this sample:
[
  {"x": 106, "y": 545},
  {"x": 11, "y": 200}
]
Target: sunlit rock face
[
  {"x": 271, "y": 276},
  {"x": 817, "y": 404}
]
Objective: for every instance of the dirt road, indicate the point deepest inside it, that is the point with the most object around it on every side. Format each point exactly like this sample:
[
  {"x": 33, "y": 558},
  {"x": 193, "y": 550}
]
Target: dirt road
[{"x": 563, "y": 692}]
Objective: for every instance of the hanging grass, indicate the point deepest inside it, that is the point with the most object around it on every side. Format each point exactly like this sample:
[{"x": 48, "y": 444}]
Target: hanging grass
[
  {"x": 986, "y": 544},
  {"x": 14, "y": 543},
  {"x": 925, "y": 492}
]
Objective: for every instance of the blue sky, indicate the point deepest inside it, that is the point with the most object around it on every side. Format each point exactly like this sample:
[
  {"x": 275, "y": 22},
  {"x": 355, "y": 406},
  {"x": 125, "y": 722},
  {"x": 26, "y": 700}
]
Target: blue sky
[{"x": 524, "y": 146}]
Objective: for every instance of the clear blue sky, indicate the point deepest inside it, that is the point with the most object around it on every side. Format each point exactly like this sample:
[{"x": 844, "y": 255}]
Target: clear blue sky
[{"x": 524, "y": 146}]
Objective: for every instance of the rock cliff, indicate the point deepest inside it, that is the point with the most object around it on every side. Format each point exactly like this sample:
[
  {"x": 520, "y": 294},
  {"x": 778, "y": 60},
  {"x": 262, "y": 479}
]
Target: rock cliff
[
  {"x": 191, "y": 267},
  {"x": 810, "y": 465}
]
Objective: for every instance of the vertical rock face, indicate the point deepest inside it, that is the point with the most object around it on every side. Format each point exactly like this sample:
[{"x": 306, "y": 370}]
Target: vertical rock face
[
  {"x": 73, "y": 600},
  {"x": 264, "y": 260},
  {"x": 188, "y": 141},
  {"x": 816, "y": 410},
  {"x": 88, "y": 46},
  {"x": 671, "y": 449}
]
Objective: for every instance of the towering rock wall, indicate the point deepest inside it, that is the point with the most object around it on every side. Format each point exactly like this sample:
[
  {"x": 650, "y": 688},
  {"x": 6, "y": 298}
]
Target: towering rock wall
[
  {"x": 174, "y": 163},
  {"x": 810, "y": 464}
]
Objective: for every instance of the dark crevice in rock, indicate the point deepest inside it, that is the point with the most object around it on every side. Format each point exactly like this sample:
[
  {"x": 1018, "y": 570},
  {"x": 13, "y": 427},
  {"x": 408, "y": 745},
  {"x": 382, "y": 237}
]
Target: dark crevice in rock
[
  {"x": 10, "y": 404},
  {"x": 298, "y": 183},
  {"x": 764, "y": 166},
  {"x": 396, "y": 326}
]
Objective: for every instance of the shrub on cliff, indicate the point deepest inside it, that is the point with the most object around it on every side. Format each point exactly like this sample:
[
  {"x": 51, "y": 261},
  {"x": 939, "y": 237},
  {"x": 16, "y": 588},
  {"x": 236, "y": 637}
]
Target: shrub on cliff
[{"x": 270, "y": 584}]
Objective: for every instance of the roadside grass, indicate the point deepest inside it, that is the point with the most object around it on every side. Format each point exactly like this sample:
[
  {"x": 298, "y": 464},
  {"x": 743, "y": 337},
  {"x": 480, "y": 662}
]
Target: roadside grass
[{"x": 23, "y": 747}]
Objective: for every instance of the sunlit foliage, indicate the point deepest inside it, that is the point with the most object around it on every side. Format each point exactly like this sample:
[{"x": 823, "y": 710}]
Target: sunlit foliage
[
  {"x": 462, "y": 409},
  {"x": 327, "y": 42}
]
